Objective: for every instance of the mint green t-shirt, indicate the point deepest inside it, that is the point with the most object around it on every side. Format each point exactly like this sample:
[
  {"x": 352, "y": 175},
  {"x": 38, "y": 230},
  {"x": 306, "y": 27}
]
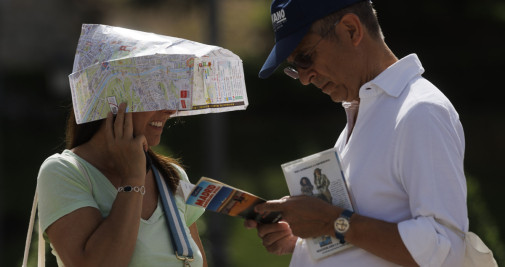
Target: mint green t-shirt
[{"x": 63, "y": 188}]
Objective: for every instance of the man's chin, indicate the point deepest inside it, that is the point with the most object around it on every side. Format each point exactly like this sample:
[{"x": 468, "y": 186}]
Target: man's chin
[{"x": 336, "y": 98}]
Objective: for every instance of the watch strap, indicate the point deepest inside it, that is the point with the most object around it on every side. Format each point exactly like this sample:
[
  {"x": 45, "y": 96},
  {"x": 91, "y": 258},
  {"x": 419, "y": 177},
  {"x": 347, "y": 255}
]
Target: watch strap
[{"x": 346, "y": 214}]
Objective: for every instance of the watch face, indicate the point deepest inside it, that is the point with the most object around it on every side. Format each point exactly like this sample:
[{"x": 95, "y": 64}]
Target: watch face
[{"x": 341, "y": 225}]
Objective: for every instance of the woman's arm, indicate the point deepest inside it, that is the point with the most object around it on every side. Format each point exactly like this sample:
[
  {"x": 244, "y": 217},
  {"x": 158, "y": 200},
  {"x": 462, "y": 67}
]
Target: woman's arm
[
  {"x": 194, "y": 233},
  {"x": 84, "y": 238}
]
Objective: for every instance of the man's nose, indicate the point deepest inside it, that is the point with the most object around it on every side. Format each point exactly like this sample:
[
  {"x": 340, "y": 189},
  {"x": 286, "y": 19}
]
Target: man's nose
[{"x": 305, "y": 76}]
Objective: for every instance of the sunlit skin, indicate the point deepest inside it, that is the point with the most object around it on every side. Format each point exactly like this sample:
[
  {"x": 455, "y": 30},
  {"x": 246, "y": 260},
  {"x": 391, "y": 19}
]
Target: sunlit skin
[
  {"x": 329, "y": 72},
  {"x": 117, "y": 151},
  {"x": 125, "y": 137},
  {"x": 150, "y": 124},
  {"x": 342, "y": 65}
]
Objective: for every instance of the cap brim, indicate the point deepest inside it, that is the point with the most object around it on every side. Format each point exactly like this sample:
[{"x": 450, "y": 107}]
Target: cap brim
[{"x": 282, "y": 49}]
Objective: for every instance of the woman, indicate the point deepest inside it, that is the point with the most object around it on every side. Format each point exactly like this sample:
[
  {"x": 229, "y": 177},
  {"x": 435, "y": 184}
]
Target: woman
[
  {"x": 89, "y": 219},
  {"x": 306, "y": 186}
]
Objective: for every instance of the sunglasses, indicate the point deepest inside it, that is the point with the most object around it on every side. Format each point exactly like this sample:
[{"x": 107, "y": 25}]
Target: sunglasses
[{"x": 304, "y": 61}]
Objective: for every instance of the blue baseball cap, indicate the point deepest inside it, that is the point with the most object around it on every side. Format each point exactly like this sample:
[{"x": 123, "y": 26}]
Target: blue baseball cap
[{"x": 291, "y": 20}]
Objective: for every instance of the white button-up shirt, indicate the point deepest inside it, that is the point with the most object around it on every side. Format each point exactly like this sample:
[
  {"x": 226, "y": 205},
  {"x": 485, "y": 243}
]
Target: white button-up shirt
[{"x": 404, "y": 163}]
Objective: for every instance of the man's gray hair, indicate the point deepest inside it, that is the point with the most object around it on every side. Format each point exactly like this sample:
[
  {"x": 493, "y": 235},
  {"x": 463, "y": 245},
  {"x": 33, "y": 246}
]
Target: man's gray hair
[{"x": 365, "y": 12}]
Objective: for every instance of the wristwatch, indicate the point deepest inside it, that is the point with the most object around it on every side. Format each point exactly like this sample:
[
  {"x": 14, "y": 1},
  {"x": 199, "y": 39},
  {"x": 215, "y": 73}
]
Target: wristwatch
[{"x": 342, "y": 225}]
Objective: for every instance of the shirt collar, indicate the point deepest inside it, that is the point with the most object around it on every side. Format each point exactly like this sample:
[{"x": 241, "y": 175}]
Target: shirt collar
[{"x": 395, "y": 78}]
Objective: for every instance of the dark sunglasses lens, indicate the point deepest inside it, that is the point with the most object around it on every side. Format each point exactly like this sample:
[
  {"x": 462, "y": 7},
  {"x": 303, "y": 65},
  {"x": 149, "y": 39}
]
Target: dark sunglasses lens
[{"x": 303, "y": 61}]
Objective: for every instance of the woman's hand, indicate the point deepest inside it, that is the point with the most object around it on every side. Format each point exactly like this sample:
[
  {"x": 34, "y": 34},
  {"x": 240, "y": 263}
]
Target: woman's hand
[
  {"x": 84, "y": 237},
  {"x": 127, "y": 152}
]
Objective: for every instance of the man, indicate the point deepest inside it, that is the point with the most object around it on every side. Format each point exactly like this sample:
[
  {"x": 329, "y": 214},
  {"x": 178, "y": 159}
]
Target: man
[{"x": 401, "y": 150}]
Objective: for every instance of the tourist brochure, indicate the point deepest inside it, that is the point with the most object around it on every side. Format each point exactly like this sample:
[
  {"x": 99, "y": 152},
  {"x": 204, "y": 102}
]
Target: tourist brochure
[
  {"x": 320, "y": 175},
  {"x": 219, "y": 197},
  {"x": 152, "y": 72}
]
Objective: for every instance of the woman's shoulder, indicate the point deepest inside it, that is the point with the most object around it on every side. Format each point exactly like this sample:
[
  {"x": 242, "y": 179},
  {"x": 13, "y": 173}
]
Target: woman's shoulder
[
  {"x": 182, "y": 173},
  {"x": 62, "y": 159},
  {"x": 64, "y": 163}
]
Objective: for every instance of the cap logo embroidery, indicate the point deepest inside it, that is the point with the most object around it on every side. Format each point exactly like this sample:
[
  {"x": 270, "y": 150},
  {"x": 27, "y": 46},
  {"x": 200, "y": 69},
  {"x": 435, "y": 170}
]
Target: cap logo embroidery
[{"x": 278, "y": 19}]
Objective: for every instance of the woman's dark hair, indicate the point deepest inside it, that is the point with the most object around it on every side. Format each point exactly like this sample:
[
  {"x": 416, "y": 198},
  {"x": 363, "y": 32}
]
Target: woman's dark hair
[
  {"x": 78, "y": 134},
  {"x": 305, "y": 181}
]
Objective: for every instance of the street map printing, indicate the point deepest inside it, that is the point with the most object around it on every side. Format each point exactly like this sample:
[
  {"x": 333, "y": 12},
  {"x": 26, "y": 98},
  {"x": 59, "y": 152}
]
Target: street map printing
[{"x": 152, "y": 72}]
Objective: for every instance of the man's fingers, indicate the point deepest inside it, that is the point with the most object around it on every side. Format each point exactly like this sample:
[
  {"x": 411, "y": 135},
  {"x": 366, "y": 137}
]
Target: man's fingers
[
  {"x": 271, "y": 205},
  {"x": 277, "y": 248},
  {"x": 281, "y": 241},
  {"x": 266, "y": 229},
  {"x": 274, "y": 236},
  {"x": 250, "y": 224}
]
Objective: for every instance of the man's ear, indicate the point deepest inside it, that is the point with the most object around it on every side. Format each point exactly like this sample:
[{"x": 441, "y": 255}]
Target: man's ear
[{"x": 353, "y": 28}]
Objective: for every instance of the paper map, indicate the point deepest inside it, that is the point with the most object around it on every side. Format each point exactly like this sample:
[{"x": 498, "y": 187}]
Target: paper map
[{"x": 152, "y": 72}]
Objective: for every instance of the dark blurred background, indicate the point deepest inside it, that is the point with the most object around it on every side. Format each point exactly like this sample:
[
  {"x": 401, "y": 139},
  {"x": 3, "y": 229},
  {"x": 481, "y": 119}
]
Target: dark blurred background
[{"x": 460, "y": 43}]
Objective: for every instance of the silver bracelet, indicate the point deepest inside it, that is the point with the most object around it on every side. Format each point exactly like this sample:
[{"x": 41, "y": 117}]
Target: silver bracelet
[{"x": 129, "y": 188}]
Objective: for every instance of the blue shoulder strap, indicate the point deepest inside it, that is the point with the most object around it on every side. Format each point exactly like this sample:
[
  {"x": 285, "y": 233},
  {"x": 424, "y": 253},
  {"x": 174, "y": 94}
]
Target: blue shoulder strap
[{"x": 178, "y": 235}]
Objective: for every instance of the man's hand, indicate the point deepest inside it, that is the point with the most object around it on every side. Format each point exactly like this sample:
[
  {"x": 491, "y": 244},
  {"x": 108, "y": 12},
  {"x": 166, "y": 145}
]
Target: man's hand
[
  {"x": 306, "y": 216},
  {"x": 277, "y": 237}
]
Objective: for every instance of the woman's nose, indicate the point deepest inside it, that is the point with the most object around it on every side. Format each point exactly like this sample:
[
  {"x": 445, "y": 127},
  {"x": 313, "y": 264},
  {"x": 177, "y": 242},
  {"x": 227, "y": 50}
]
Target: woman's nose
[{"x": 169, "y": 112}]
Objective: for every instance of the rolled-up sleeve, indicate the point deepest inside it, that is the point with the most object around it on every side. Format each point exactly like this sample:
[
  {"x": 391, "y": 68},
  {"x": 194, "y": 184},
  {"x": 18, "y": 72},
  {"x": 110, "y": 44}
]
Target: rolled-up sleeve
[
  {"x": 430, "y": 161},
  {"x": 426, "y": 241}
]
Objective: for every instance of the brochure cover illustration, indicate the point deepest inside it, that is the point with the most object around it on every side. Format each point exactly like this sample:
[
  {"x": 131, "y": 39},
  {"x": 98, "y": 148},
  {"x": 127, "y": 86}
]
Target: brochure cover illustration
[
  {"x": 219, "y": 197},
  {"x": 319, "y": 175}
]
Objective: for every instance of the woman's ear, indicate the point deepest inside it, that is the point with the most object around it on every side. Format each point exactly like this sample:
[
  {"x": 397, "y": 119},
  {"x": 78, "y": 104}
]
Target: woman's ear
[{"x": 353, "y": 28}]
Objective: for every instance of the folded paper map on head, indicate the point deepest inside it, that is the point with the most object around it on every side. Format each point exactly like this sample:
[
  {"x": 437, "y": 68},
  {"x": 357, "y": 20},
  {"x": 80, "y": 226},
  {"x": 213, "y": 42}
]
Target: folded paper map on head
[{"x": 152, "y": 72}]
